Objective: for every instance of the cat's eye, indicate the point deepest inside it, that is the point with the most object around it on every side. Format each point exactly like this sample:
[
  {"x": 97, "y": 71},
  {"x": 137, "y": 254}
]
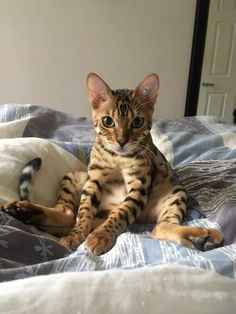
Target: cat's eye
[
  {"x": 108, "y": 122},
  {"x": 137, "y": 122}
]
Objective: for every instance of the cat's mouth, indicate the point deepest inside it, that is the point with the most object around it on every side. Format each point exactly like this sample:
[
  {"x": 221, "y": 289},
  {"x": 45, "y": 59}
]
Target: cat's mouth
[
  {"x": 121, "y": 150},
  {"x": 125, "y": 150}
]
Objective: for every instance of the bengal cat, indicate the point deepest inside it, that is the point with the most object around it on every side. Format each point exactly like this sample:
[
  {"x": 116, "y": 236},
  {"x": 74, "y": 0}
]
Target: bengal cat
[{"x": 128, "y": 180}]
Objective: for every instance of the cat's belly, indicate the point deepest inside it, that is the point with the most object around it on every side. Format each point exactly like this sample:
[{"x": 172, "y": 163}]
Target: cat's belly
[{"x": 112, "y": 195}]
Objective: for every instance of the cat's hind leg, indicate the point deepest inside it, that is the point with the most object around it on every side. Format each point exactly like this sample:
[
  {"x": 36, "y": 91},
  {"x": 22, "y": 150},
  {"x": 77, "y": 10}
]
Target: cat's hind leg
[
  {"x": 201, "y": 238},
  {"x": 170, "y": 214},
  {"x": 56, "y": 220}
]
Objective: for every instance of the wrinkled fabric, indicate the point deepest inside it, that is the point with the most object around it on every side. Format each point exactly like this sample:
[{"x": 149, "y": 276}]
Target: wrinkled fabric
[{"x": 201, "y": 149}]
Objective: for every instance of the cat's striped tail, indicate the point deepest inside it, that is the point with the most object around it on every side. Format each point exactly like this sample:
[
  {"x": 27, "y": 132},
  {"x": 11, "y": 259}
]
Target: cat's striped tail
[{"x": 27, "y": 178}]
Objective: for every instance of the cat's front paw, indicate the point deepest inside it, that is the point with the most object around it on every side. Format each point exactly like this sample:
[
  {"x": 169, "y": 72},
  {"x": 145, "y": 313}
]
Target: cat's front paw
[
  {"x": 100, "y": 242},
  {"x": 72, "y": 241}
]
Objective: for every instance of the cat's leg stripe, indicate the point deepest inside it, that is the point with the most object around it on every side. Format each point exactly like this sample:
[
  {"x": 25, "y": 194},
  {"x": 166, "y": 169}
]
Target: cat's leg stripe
[
  {"x": 139, "y": 203},
  {"x": 95, "y": 167},
  {"x": 177, "y": 190},
  {"x": 67, "y": 178},
  {"x": 66, "y": 190},
  {"x": 124, "y": 216},
  {"x": 97, "y": 183},
  {"x": 142, "y": 191}
]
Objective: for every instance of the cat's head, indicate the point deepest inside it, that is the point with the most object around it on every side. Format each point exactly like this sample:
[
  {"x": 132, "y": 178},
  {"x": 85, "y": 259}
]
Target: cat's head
[{"x": 122, "y": 118}]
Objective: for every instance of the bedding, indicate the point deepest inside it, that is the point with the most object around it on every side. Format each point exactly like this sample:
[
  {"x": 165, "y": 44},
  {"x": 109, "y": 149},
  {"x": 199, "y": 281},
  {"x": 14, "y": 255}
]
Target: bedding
[{"x": 202, "y": 151}]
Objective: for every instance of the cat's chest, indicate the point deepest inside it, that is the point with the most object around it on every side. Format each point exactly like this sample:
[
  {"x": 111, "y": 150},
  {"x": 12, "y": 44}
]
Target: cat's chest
[
  {"x": 112, "y": 180},
  {"x": 114, "y": 189},
  {"x": 119, "y": 163},
  {"x": 113, "y": 193}
]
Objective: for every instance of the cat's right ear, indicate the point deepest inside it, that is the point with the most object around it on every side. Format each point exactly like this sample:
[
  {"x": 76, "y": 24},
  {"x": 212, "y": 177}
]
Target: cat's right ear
[
  {"x": 147, "y": 90},
  {"x": 98, "y": 90}
]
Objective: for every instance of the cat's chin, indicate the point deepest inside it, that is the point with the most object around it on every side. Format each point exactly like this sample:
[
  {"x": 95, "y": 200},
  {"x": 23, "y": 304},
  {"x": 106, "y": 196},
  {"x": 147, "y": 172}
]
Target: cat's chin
[
  {"x": 124, "y": 151},
  {"x": 121, "y": 152}
]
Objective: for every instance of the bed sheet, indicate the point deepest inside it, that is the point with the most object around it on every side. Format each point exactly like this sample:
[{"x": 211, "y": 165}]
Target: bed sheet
[{"x": 202, "y": 151}]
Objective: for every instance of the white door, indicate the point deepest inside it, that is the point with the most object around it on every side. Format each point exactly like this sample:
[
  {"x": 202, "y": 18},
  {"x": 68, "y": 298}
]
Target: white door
[{"x": 218, "y": 82}]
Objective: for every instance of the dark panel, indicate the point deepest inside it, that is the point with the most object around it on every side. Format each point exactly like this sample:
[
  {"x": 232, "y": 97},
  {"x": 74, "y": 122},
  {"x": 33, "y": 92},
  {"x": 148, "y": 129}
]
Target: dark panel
[{"x": 197, "y": 55}]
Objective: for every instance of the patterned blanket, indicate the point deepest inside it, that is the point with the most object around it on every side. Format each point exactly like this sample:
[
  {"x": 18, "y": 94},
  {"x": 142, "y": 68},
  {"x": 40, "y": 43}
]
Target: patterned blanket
[{"x": 202, "y": 151}]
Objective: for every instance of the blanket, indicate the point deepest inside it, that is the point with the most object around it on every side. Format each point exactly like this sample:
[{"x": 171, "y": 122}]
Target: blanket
[
  {"x": 158, "y": 289},
  {"x": 202, "y": 151}
]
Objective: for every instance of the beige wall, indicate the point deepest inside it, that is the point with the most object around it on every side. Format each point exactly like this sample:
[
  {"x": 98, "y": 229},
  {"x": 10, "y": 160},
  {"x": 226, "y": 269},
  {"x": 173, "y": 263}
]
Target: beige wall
[{"x": 47, "y": 47}]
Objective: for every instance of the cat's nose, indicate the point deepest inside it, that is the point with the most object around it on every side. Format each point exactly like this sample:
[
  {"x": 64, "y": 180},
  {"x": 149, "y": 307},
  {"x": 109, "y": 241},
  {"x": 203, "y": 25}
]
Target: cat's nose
[{"x": 122, "y": 141}]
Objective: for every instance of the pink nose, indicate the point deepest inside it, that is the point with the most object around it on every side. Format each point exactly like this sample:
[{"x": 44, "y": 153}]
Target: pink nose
[{"x": 122, "y": 141}]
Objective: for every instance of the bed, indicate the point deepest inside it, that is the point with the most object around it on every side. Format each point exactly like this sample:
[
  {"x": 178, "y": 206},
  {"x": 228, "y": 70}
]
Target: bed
[{"x": 139, "y": 274}]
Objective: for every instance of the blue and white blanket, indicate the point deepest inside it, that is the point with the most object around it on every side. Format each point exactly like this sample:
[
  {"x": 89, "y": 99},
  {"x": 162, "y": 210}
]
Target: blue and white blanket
[{"x": 201, "y": 149}]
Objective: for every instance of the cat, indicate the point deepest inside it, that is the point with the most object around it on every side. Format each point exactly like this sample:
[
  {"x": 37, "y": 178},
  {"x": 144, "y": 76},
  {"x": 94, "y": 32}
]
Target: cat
[{"x": 128, "y": 180}]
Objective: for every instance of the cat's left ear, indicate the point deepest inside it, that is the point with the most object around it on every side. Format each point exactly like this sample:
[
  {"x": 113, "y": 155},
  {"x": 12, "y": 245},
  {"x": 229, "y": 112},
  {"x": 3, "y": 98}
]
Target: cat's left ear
[
  {"x": 147, "y": 90},
  {"x": 98, "y": 91}
]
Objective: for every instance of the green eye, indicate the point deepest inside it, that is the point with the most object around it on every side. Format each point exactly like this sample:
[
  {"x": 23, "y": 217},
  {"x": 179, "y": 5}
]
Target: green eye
[
  {"x": 108, "y": 122},
  {"x": 137, "y": 122}
]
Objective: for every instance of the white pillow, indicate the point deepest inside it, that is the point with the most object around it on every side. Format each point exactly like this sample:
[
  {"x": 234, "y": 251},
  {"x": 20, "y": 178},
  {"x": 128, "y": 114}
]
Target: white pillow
[{"x": 56, "y": 162}]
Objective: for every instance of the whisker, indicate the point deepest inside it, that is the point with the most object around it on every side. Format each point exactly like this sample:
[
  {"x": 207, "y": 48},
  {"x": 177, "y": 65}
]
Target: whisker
[{"x": 148, "y": 150}]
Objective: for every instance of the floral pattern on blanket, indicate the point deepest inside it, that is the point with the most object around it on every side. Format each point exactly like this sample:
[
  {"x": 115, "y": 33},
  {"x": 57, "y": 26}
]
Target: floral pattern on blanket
[{"x": 203, "y": 153}]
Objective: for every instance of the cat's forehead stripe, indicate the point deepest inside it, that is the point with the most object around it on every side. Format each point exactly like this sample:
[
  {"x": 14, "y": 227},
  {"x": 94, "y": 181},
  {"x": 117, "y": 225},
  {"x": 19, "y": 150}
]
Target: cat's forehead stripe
[
  {"x": 123, "y": 97},
  {"x": 122, "y": 109}
]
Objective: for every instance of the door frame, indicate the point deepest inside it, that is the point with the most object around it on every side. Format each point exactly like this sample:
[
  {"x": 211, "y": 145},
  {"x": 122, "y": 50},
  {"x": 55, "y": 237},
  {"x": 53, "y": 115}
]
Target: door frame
[{"x": 197, "y": 56}]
